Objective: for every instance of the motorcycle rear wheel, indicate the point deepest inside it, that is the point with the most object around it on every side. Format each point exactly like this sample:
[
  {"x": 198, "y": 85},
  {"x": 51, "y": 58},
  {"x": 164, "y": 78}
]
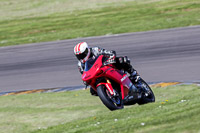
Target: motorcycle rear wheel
[
  {"x": 147, "y": 99},
  {"x": 107, "y": 99}
]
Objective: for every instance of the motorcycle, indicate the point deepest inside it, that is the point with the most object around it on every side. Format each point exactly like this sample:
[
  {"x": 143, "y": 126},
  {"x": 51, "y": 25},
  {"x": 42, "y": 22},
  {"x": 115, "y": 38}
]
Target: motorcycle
[{"x": 113, "y": 86}]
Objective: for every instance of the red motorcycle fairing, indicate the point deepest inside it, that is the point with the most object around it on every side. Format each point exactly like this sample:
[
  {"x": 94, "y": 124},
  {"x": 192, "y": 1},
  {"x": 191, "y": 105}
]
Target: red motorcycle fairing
[{"x": 97, "y": 70}]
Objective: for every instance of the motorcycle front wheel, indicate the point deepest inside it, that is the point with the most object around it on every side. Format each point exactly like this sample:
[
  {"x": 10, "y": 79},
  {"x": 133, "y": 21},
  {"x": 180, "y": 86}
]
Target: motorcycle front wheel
[{"x": 111, "y": 102}]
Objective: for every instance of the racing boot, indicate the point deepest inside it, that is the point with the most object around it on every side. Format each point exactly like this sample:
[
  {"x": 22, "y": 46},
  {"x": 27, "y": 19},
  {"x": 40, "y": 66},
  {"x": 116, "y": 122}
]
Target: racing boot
[{"x": 135, "y": 78}]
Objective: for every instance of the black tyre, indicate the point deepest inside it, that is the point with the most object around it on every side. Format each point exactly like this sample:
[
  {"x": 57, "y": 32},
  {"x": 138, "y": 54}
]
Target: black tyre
[
  {"x": 147, "y": 95},
  {"x": 113, "y": 103}
]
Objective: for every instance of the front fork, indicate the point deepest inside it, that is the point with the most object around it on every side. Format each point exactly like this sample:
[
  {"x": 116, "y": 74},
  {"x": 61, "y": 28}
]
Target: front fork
[{"x": 109, "y": 87}]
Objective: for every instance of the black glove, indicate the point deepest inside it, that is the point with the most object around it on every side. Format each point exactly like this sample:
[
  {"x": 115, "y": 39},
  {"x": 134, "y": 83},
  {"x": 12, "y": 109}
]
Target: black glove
[{"x": 110, "y": 60}]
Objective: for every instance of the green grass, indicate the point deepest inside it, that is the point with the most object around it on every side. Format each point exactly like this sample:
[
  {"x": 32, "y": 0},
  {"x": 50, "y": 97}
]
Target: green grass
[
  {"x": 41, "y": 21},
  {"x": 176, "y": 110}
]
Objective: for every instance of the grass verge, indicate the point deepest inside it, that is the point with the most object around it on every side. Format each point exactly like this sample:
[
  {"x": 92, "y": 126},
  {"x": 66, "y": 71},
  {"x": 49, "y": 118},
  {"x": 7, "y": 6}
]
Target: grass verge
[
  {"x": 176, "y": 109},
  {"x": 132, "y": 16}
]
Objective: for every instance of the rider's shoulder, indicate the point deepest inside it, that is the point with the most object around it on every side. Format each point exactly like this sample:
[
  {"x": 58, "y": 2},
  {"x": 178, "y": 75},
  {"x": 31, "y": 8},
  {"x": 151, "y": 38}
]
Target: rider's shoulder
[{"x": 96, "y": 49}]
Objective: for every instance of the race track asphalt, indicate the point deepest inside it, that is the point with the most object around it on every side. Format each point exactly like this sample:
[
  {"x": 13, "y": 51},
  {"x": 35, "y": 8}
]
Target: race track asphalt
[{"x": 161, "y": 55}]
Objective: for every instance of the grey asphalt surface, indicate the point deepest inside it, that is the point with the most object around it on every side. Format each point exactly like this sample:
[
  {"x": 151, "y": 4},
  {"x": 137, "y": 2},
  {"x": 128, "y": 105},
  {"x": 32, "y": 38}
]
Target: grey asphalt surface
[{"x": 161, "y": 55}]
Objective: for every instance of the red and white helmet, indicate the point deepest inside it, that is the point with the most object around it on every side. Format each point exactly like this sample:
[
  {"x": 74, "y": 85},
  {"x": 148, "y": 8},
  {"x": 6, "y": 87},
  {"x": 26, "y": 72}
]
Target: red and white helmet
[{"x": 82, "y": 51}]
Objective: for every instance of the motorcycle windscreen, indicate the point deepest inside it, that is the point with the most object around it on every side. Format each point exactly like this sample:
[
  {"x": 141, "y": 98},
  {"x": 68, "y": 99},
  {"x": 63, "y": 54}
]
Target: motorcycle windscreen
[{"x": 89, "y": 63}]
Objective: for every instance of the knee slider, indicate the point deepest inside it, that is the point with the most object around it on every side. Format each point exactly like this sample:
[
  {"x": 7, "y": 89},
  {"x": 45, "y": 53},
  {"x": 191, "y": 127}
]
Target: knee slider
[
  {"x": 121, "y": 60},
  {"x": 126, "y": 60}
]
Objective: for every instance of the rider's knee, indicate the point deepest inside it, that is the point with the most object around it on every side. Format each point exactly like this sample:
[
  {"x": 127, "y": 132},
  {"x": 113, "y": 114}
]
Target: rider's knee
[{"x": 123, "y": 60}]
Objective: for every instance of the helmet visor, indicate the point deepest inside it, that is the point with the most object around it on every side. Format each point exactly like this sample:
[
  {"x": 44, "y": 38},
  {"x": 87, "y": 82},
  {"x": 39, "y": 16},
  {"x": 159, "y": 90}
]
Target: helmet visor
[{"x": 82, "y": 55}]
